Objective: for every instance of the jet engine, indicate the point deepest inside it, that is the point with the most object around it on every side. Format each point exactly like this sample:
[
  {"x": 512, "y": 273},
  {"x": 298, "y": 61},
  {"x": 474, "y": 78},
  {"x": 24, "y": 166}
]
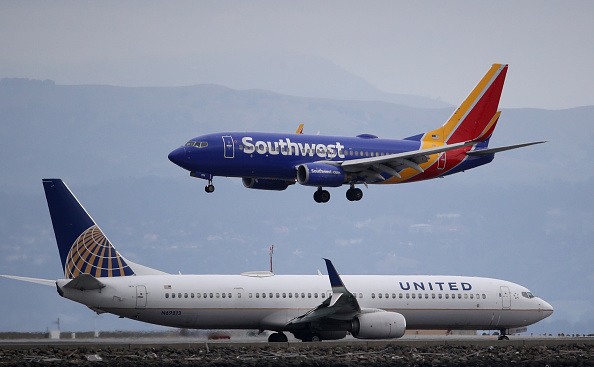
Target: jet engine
[
  {"x": 378, "y": 325},
  {"x": 320, "y": 174},
  {"x": 264, "y": 183}
]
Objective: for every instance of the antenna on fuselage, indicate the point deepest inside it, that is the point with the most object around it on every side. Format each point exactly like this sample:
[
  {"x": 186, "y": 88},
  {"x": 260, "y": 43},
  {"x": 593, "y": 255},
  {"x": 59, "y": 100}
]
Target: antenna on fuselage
[{"x": 271, "y": 253}]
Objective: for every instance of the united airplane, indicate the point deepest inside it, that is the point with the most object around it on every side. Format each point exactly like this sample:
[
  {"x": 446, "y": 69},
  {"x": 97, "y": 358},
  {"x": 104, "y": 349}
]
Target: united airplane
[
  {"x": 269, "y": 161},
  {"x": 311, "y": 307}
]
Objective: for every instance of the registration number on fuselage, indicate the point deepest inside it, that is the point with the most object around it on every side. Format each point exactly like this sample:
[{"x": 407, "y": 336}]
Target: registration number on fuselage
[{"x": 171, "y": 313}]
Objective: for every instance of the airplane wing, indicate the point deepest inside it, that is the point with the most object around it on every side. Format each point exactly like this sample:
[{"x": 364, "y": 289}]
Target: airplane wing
[
  {"x": 51, "y": 283},
  {"x": 372, "y": 167},
  {"x": 341, "y": 306}
]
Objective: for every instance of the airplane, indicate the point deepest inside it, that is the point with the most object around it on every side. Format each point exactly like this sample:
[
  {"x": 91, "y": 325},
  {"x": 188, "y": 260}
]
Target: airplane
[
  {"x": 272, "y": 161},
  {"x": 311, "y": 307}
]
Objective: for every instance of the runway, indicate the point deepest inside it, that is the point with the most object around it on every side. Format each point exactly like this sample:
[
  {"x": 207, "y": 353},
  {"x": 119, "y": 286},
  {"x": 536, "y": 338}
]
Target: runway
[{"x": 420, "y": 351}]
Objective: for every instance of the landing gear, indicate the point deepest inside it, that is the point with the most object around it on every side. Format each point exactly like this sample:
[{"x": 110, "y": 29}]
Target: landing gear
[
  {"x": 321, "y": 195},
  {"x": 354, "y": 194},
  {"x": 277, "y": 338},
  {"x": 502, "y": 335},
  {"x": 311, "y": 338},
  {"x": 210, "y": 187}
]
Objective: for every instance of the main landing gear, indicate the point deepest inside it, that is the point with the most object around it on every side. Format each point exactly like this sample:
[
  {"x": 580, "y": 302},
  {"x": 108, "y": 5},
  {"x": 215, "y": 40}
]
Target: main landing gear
[
  {"x": 354, "y": 194},
  {"x": 502, "y": 335},
  {"x": 321, "y": 195},
  {"x": 277, "y": 338},
  {"x": 210, "y": 187}
]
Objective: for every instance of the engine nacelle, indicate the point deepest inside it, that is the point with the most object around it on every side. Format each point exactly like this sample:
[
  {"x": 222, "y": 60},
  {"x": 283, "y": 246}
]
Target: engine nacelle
[
  {"x": 264, "y": 183},
  {"x": 320, "y": 174},
  {"x": 378, "y": 325}
]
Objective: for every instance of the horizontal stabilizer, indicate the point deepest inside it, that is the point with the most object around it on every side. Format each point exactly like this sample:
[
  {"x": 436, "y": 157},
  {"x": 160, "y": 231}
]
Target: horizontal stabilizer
[
  {"x": 85, "y": 282},
  {"x": 51, "y": 283},
  {"x": 483, "y": 152}
]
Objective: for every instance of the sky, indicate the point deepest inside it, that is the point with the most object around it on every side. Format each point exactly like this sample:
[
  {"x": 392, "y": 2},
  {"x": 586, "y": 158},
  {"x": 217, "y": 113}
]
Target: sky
[
  {"x": 430, "y": 48},
  {"x": 530, "y": 198}
]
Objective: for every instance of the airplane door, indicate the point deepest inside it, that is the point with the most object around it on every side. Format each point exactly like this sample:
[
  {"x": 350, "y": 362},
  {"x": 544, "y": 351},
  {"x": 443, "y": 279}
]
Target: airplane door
[
  {"x": 140, "y": 296},
  {"x": 505, "y": 298},
  {"x": 441, "y": 161},
  {"x": 229, "y": 147}
]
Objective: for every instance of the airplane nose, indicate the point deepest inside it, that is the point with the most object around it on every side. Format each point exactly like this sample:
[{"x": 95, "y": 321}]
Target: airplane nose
[
  {"x": 547, "y": 309},
  {"x": 178, "y": 156}
]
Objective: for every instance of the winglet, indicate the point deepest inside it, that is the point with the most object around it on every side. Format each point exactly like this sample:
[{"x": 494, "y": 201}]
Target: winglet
[
  {"x": 299, "y": 129},
  {"x": 335, "y": 281}
]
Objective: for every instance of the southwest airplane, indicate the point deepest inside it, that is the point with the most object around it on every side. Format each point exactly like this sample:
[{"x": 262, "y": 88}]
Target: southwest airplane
[
  {"x": 269, "y": 161},
  {"x": 311, "y": 307}
]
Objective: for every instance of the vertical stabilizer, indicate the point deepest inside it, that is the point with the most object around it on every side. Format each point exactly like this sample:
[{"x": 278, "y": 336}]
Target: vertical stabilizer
[
  {"x": 476, "y": 115},
  {"x": 83, "y": 247}
]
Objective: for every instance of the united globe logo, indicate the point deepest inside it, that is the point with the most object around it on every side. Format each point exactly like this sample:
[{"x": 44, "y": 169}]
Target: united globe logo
[{"x": 93, "y": 254}]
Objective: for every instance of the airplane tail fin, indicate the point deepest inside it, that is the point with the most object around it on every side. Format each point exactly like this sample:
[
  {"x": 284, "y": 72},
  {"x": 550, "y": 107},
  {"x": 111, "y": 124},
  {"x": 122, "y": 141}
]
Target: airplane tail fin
[
  {"x": 476, "y": 117},
  {"x": 83, "y": 247}
]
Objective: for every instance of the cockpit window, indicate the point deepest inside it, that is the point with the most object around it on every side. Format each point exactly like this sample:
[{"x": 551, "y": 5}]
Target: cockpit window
[
  {"x": 197, "y": 144},
  {"x": 528, "y": 295}
]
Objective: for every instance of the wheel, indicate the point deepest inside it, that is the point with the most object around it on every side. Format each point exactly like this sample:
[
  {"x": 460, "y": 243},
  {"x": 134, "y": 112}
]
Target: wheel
[
  {"x": 503, "y": 337},
  {"x": 315, "y": 338},
  {"x": 354, "y": 194},
  {"x": 321, "y": 196},
  {"x": 209, "y": 188},
  {"x": 277, "y": 338}
]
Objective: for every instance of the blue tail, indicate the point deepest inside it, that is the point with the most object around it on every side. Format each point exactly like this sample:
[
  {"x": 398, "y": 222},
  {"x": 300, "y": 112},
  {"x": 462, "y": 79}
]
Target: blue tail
[{"x": 84, "y": 249}]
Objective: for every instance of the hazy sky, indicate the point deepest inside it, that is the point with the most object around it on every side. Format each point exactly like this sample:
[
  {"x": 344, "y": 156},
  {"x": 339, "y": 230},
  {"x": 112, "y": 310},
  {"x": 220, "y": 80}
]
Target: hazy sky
[{"x": 432, "y": 48}]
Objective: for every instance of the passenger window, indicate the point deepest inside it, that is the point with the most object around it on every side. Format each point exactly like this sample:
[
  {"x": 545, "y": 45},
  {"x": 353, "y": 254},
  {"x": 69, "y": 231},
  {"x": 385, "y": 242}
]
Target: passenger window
[
  {"x": 447, "y": 296},
  {"x": 263, "y": 295},
  {"x": 372, "y": 295},
  {"x": 230, "y": 295},
  {"x": 166, "y": 295},
  {"x": 433, "y": 295},
  {"x": 284, "y": 295},
  {"x": 192, "y": 295},
  {"x": 323, "y": 295},
  {"x": 360, "y": 295},
  {"x": 379, "y": 295},
  {"x": 466, "y": 296},
  {"x": 316, "y": 295},
  {"x": 407, "y": 295},
  {"x": 250, "y": 295},
  {"x": 290, "y": 295},
  {"x": 185, "y": 295},
  {"x": 211, "y": 295},
  {"x": 400, "y": 295},
  {"x": 270, "y": 295},
  {"x": 302, "y": 295},
  {"x": 223, "y": 294},
  {"x": 277, "y": 295},
  {"x": 484, "y": 296},
  {"x": 459, "y": 296},
  {"x": 393, "y": 295},
  {"x": 439, "y": 296},
  {"x": 471, "y": 296},
  {"x": 413, "y": 296},
  {"x": 426, "y": 296},
  {"x": 179, "y": 295},
  {"x": 387, "y": 295},
  {"x": 257, "y": 295}
]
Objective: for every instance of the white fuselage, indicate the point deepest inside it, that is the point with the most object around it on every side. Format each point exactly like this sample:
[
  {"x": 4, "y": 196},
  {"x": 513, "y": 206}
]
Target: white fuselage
[{"x": 270, "y": 302}]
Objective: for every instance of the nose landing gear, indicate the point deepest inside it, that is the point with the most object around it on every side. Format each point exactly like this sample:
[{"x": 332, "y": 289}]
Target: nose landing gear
[{"x": 210, "y": 187}]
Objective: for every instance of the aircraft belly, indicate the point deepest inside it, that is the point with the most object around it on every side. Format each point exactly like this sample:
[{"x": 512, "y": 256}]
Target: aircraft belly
[{"x": 446, "y": 319}]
